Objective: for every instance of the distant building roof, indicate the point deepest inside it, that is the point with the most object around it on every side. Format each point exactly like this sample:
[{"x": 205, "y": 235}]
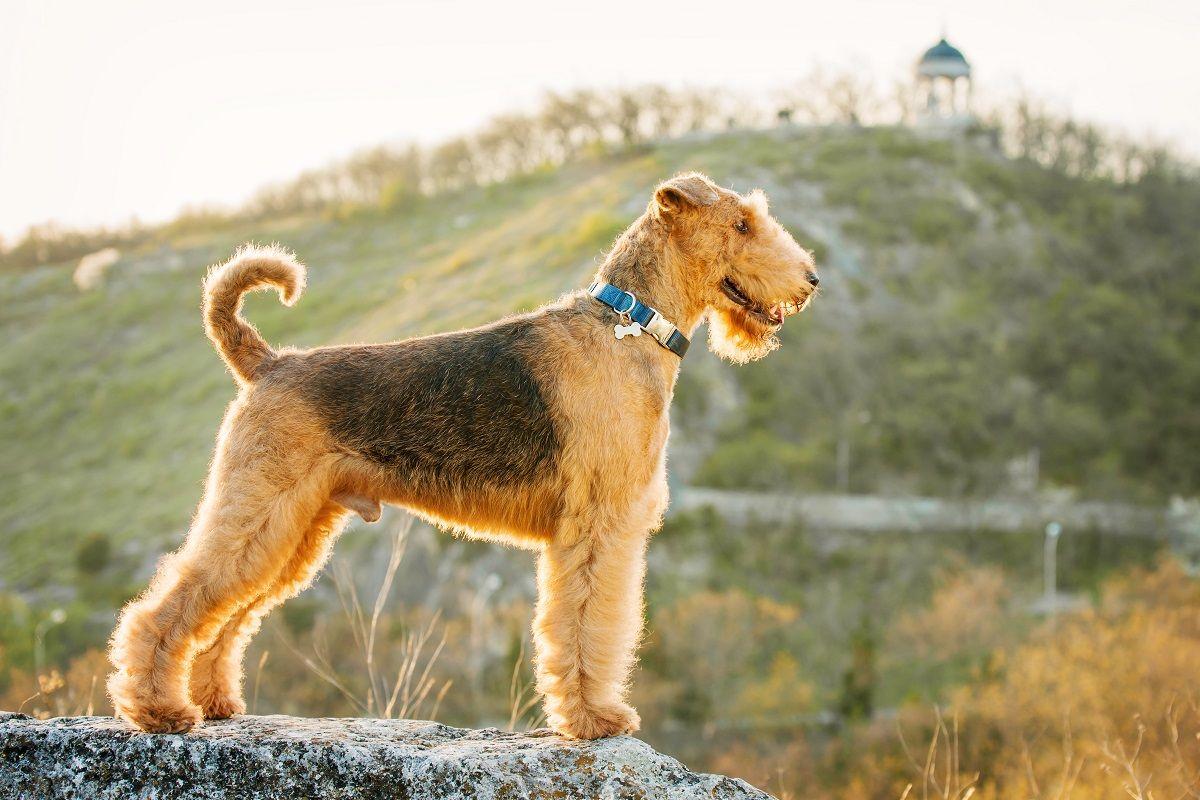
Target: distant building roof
[{"x": 944, "y": 60}]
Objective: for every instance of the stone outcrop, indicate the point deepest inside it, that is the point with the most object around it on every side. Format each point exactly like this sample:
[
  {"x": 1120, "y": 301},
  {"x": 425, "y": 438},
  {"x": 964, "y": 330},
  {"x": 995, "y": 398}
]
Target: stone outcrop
[{"x": 287, "y": 757}]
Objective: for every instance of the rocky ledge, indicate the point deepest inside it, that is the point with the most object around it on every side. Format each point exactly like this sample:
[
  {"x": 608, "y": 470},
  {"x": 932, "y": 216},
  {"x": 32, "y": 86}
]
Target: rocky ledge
[{"x": 289, "y": 757}]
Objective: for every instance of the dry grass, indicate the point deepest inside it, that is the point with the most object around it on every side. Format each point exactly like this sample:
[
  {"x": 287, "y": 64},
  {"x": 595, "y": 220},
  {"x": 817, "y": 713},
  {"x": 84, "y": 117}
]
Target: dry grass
[
  {"x": 413, "y": 691},
  {"x": 941, "y": 773},
  {"x": 79, "y": 691},
  {"x": 1122, "y": 767},
  {"x": 523, "y": 699}
]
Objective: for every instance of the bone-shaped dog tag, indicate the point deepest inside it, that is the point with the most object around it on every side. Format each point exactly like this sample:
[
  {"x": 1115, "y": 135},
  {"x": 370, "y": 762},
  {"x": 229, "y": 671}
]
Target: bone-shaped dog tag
[{"x": 632, "y": 329}]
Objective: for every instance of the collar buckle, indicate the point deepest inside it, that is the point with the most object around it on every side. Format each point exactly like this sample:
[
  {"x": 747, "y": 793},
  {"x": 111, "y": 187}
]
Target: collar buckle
[{"x": 659, "y": 328}]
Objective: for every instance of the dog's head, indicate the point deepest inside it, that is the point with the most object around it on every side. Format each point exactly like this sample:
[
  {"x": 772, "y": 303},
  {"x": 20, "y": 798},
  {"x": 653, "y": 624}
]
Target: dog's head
[{"x": 742, "y": 266}]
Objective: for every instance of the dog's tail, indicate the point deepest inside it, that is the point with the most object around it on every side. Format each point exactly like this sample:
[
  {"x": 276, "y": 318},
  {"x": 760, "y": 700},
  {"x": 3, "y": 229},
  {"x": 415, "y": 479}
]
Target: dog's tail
[{"x": 252, "y": 267}]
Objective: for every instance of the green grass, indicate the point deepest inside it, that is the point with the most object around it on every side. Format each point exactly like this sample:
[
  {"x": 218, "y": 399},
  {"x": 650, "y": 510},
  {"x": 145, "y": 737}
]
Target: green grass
[{"x": 109, "y": 399}]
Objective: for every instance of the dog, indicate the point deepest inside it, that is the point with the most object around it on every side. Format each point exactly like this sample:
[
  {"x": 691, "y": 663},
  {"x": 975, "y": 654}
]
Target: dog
[{"x": 545, "y": 430}]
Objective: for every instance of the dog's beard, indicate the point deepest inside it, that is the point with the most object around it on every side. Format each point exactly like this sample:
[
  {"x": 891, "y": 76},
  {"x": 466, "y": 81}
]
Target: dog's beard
[{"x": 736, "y": 336}]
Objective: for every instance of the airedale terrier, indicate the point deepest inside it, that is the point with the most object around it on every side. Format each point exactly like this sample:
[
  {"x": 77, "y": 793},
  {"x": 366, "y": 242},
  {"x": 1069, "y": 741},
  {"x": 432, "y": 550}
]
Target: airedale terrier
[{"x": 546, "y": 430}]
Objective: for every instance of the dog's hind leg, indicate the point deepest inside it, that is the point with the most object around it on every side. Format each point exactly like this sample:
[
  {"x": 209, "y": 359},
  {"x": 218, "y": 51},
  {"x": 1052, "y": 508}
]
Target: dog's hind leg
[
  {"x": 589, "y": 617},
  {"x": 246, "y": 531},
  {"x": 217, "y": 676}
]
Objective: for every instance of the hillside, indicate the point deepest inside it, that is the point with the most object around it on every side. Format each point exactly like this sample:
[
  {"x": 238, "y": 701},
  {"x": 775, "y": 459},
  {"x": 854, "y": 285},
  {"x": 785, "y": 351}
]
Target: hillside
[
  {"x": 989, "y": 326},
  {"x": 975, "y": 309}
]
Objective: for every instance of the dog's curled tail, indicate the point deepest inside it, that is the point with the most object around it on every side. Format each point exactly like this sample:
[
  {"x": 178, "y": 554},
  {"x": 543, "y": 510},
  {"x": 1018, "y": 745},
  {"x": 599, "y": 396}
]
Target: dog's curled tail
[{"x": 252, "y": 267}]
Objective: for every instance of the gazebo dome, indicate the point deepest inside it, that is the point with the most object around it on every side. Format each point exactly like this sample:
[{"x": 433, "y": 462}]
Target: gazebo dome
[{"x": 944, "y": 60}]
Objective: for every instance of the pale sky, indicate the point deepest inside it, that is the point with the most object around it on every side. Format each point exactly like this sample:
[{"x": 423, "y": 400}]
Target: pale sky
[{"x": 116, "y": 108}]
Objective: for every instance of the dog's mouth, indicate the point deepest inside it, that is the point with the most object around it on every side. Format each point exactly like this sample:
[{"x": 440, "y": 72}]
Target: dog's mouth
[{"x": 772, "y": 315}]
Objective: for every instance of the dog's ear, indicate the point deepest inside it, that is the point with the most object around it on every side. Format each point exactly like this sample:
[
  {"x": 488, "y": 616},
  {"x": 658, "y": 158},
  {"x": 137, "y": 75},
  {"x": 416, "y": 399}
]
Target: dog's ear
[{"x": 690, "y": 190}]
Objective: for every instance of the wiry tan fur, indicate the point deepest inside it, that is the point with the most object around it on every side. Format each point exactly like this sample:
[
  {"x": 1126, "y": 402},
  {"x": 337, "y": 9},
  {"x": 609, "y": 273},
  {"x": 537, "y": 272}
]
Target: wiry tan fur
[{"x": 580, "y": 475}]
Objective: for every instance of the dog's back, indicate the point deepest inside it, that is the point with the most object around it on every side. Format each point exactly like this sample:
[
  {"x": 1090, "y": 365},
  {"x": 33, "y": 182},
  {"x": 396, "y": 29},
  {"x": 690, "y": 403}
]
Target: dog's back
[{"x": 455, "y": 409}]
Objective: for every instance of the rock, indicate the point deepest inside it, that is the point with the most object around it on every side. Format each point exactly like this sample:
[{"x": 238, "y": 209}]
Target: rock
[{"x": 289, "y": 757}]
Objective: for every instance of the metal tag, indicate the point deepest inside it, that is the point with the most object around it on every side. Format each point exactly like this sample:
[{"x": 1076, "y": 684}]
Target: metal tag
[{"x": 632, "y": 329}]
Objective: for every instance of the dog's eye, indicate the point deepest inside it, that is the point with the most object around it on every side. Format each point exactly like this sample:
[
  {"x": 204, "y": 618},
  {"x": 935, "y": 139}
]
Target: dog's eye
[{"x": 741, "y": 226}]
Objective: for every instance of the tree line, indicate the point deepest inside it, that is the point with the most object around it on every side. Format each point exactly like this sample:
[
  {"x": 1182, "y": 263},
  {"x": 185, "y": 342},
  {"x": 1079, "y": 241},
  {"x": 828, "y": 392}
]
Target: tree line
[{"x": 574, "y": 124}]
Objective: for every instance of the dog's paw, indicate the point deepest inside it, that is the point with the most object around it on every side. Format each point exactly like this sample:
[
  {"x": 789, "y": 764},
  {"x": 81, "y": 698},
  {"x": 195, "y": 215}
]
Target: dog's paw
[
  {"x": 216, "y": 699},
  {"x": 221, "y": 706},
  {"x": 596, "y": 723},
  {"x": 162, "y": 719}
]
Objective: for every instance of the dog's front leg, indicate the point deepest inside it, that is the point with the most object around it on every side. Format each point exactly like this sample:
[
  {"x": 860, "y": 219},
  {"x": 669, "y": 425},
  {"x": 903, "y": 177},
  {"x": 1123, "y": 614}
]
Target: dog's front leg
[{"x": 589, "y": 617}]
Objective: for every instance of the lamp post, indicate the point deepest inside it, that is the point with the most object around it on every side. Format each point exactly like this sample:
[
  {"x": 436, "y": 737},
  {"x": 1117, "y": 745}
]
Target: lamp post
[{"x": 1050, "y": 566}]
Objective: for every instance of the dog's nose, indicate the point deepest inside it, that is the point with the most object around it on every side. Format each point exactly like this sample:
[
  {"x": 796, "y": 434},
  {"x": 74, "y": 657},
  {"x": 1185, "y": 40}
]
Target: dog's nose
[{"x": 812, "y": 278}]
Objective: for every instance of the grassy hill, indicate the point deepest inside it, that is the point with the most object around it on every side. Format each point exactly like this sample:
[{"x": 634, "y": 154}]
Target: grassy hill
[
  {"x": 975, "y": 309},
  {"x": 978, "y": 311}
]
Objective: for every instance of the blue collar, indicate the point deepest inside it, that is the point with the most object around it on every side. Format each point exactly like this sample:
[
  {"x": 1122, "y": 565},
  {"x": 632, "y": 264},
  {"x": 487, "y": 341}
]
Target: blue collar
[{"x": 641, "y": 317}]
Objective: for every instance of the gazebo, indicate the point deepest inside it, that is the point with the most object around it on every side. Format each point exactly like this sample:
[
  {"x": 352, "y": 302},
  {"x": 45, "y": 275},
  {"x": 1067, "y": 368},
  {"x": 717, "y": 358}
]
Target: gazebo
[{"x": 943, "y": 83}]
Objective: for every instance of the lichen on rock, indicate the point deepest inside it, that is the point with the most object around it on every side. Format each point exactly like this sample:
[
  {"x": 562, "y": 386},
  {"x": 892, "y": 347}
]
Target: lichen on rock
[{"x": 255, "y": 757}]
